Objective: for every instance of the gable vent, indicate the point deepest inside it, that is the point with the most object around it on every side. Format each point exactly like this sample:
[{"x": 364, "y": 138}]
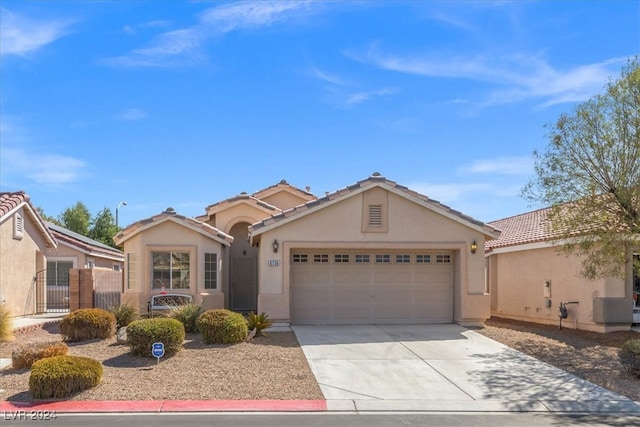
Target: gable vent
[
  {"x": 18, "y": 226},
  {"x": 375, "y": 215}
]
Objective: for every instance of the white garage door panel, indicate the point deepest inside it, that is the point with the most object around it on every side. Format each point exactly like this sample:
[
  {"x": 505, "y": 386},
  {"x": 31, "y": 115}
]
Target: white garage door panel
[{"x": 324, "y": 293}]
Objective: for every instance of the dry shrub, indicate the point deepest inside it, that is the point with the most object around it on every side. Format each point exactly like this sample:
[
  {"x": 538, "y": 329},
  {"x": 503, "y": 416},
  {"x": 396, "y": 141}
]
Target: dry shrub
[{"x": 29, "y": 353}]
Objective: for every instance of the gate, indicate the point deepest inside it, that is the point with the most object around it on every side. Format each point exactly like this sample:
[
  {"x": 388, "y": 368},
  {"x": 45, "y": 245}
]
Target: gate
[{"x": 52, "y": 291}]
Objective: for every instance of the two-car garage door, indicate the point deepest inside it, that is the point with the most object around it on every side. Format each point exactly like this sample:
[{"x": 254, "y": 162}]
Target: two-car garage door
[{"x": 367, "y": 287}]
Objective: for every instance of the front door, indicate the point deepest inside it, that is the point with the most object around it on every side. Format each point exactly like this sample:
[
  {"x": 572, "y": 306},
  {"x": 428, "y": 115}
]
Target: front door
[
  {"x": 243, "y": 284},
  {"x": 243, "y": 292}
]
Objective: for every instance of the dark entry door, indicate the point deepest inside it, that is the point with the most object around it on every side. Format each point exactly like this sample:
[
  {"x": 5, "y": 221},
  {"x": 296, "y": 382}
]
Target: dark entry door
[{"x": 243, "y": 284}]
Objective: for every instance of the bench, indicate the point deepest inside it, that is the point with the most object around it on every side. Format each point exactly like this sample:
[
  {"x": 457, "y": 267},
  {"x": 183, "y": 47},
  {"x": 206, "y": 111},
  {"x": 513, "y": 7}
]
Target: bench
[{"x": 162, "y": 302}]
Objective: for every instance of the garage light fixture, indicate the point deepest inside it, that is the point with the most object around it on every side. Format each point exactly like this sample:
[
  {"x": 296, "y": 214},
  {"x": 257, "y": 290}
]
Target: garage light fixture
[
  {"x": 275, "y": 245},
  {"x": 474, "y": 247}
]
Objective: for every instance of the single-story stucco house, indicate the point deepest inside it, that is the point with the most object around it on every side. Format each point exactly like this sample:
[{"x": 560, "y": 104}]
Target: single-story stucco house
[
  {"x": 372, "y": 252},
  {"x": 529, "y": 279}
]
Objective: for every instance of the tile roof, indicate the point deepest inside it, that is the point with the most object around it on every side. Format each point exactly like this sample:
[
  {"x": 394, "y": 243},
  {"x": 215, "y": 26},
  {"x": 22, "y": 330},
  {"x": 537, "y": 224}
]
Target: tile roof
[
  {"x": 283, "y": 184},
  {"x": 216, "y": 207},
  {"x": 10, "y": 201},
  {"x": 83, "y": 243},
  {"x": 530, "y": 227},
  {"x": 375, "y": 179},
  {"x": 170, "y": 214}
]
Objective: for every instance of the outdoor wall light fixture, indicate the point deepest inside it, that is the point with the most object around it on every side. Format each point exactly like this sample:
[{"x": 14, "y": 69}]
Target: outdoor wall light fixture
[
  {"x": 275, "y": 245},
  {"x": 474, "y": 247}
]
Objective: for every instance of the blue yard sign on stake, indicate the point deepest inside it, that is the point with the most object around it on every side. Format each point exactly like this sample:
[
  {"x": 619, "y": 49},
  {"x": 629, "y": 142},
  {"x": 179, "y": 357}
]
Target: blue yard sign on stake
[{"x": 157, "y": 350}]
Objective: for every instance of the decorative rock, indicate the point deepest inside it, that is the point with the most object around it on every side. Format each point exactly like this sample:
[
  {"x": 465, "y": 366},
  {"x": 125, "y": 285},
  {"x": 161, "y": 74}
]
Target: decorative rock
[{"x": 121, "y": 336}]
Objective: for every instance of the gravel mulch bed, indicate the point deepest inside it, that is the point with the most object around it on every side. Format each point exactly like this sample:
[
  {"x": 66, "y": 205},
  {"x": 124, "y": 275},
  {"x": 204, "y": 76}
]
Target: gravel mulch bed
[
  {"x": 274, "y": 367},
  {"x": 270, "y": 367}
]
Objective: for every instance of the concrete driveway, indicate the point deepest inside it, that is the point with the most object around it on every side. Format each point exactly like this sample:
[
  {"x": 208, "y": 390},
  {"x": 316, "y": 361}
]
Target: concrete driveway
[{"x": 441, "y": 368}]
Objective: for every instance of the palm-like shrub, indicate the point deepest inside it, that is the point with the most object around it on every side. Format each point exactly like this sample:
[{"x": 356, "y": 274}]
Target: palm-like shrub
[
  {"x": 141, "y": 334},
  {"x": 88, "y": 323},
  {"x": 187, "y": 314},
  {"x": 124, "y": 314},
  {"x": 222, "y": 326},
  {"x": 259, "y": 322},
  {"x": 63, "y": 376}
]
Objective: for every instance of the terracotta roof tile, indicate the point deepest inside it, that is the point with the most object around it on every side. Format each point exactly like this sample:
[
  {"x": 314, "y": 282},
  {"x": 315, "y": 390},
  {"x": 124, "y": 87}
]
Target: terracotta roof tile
[
  {"x": 83, "y": 243},
  {"x": 9, "y": 201},
  {"x": 530, "y": 227}
]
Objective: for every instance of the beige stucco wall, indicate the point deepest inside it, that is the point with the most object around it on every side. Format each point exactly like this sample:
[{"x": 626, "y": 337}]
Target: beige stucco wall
[
  {"x": 410, "y": 226},
  {"x": 170, "y": 236},
  {"x": 518, "y": 288},
  {"x": 240, "y": 212},
  {"x": 19, "y": 262},
  {"x": 284, "y": 200}
]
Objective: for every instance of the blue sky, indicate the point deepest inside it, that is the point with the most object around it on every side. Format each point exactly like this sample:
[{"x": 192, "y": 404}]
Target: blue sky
[{"x": 184, "y": 104}]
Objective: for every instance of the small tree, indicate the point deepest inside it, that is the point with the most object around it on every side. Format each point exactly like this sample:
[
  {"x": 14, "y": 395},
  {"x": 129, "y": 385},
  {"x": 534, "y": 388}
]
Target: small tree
[
  {"x": 76, "y": 218},
  {"x": 590, "y": 176},
  {"x": 103, "y": 227}
]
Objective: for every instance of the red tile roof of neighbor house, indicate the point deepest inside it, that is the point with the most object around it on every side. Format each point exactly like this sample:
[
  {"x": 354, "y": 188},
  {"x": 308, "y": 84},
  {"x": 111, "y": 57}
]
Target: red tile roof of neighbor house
[
  {"x": 374, "y": 179},
  {"x": 10, "y": 201},
  {"x": 530, "y": 227}
]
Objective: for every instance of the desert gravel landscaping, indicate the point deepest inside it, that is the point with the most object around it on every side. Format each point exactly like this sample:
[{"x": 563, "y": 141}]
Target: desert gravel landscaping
[{"x": 274, "y": 367}]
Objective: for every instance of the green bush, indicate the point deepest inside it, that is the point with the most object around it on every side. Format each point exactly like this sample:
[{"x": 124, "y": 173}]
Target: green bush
[
  {"x": 187, "y": 314},
  {"x": 88, "y": 323},
  {"x": 141, "y": 335},
  {"x": 27, "y": 354},
  {"x": 259, "y": 322},
  {"x": 630, "y": 356},
  {"x": 6, "y": 324},
  {"x": 222, "y": 326},
  {"x": 124, "y": 314},
  {"x": 63, "y": 376}
]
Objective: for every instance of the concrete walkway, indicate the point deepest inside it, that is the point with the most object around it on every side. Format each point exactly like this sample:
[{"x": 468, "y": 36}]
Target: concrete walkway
[{"x": 441, "y": 368}]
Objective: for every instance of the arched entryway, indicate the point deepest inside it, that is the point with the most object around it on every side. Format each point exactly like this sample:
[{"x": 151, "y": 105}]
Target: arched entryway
[{"x": 243, "y": 289}]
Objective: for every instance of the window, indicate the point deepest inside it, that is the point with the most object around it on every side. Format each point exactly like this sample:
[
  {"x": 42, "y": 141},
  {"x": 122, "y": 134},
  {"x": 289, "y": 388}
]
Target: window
[
  {"x": 171, "y": 270},
  {"x": 210, "y": 271},
  {"x": 383, "y": 258},
  {"x": 18, "y": 226},
  {"x": 116, "y": 267},
  {"x": 58, "y": 273},
  {"x": 320, "y": 258},
  {"x": 362, "y": 259},
  {"x": 341, "y": 258},
  {"x": 423, "y": 259},
  {"x": 403, "y": 259},
  {"x": 443, "y": 259},
  {"x": 300, "y": 258},
  {"x": 375, "y": 215},
  {"x": 132, "y": 270}
]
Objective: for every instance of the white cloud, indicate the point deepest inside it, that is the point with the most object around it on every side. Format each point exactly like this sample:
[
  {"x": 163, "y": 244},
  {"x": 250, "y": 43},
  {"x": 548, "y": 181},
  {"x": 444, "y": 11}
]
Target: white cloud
[
  {"x": 326, "y": 77},
  {"x": 503, "y": 166},
  {"x": 447, "y": 193},
  {"x": 41, "y": 168},
  {"x": 21, "y": 36},
  {"x": 515, "y": 77},
  {"x": 132, "y": 114},
  {"x": 185, "y": 46},
  {"x": 360, "y": 97}
]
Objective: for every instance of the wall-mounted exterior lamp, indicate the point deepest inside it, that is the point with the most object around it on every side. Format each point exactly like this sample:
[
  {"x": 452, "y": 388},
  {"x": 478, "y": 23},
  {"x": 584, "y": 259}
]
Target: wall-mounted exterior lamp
[
  {"x": 474, "y": 247},
  {"x": 275, "y": 245}
]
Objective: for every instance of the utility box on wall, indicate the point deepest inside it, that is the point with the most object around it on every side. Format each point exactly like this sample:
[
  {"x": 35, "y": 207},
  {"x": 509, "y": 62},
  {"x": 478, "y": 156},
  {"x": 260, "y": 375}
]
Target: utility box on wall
[{"x": 546, "y": 289}]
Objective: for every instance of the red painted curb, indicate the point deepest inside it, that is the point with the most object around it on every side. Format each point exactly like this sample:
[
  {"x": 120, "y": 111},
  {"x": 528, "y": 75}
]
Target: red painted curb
[{"x": 86, "y": 406}]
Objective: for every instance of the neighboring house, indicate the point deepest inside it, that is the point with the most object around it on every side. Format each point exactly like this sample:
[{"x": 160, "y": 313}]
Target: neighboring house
[
  {"x": 529, "y": 279},
  {"x": 24, "y": 243},
  {"x": 373, "y": 252}
]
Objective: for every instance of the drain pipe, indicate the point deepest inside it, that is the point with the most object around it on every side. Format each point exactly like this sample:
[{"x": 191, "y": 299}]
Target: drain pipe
[{"x": 563, "y": 313}]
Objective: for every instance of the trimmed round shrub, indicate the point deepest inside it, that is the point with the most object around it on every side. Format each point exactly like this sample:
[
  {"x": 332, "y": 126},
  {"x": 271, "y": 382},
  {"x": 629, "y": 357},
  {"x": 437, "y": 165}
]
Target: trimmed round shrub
[
  {"x": 88, "y": 323},
  {"x": 63, "y": 376},
  {"x": 27, "y": 354},
  {"x": 630, "y": 356},
  {"x": 124, "y": 314},
  {"x": 187, "y": 314},
  {"x": 141, "y": 334},
  {"x": 222, "y": 326}
]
